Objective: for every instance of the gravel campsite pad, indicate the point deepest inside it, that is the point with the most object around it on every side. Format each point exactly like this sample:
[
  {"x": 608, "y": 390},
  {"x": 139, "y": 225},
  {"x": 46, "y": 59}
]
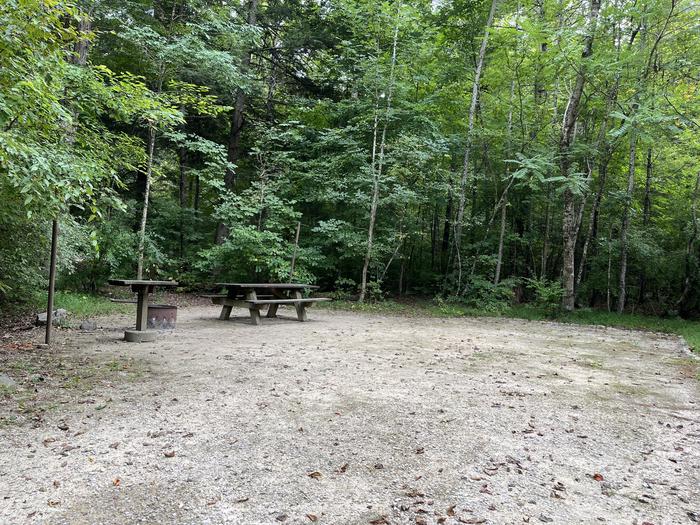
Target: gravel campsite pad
[{"x": 352, "y": 419}]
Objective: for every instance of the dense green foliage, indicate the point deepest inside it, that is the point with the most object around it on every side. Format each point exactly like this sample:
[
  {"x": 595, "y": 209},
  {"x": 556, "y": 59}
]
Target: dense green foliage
[{"x": 379, "y": 126}]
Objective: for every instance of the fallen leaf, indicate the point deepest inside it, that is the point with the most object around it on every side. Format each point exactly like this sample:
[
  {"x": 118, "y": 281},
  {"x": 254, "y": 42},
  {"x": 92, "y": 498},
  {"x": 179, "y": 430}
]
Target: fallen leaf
[
  {"x": 116, "y": 482},
  {"x": 451, "y": 510},
  {"x": 420, "y": 450},
  {"x": 315, "y": 474},
  {"x": 242, "y": 500},
  {"x": 381, "y": 520},
  {"x": 312, "y": 517},
  {"x": 343, "y": 468},
  {"x": 598, "y": 476}
]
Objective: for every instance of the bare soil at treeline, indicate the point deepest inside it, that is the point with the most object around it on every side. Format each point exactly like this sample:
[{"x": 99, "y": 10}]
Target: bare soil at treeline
[{"x": 349, "y": 419}]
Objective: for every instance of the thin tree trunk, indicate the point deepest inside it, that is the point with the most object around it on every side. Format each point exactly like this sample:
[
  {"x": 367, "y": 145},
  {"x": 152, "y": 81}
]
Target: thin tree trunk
[
  {"x": 504, "y": 196},
  {"x": 545, "y": 243},
  {"x": 294, "y": 254},
  {"x": 444, "y": 252},
  {"x": 497, "y": 276},
  {"x": 146, "y": 196},
  {"x": 195, "y": 203},
  {"x": 377, "y": 170},
  {"x": 690, "y": 246},
  {"x": 646, "y": 218},
  {"x": 603, "y": 161},
  {"x": 183, "y": 199},
  {"x": 625, "y": 225},
  {"x": 602, "y": 176},
  {"x": 565, "y": 143},
  {"x": 608, "y": 295},
  {"x": 467, "y": 149}
]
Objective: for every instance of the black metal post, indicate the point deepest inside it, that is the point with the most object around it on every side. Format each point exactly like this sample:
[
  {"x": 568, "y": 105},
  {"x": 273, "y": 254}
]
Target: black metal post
[{"x": 52, "y": 281}]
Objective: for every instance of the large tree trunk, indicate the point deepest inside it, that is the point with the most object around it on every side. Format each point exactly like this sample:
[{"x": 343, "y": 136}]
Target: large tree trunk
[
  {"x": 237, "y": 121},
  {"x": 377, "y": 170},
  {"x": 625, "y": 225},
  {"x": 569, "y": 228},
  {"x": 467, "y": 149}
]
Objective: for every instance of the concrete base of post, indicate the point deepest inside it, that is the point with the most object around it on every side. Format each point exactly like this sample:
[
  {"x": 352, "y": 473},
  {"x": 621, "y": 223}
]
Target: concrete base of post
[{"x": 140, "y": 336}]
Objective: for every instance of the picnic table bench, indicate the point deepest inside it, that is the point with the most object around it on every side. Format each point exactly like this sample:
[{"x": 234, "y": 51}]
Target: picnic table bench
[
  {"x": 256, "y": 296},
  {"x": 141, "y": 288}
]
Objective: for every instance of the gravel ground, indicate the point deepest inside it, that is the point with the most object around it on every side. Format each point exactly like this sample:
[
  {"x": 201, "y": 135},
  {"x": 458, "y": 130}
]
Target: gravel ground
[{"x": 361, "y": 419}]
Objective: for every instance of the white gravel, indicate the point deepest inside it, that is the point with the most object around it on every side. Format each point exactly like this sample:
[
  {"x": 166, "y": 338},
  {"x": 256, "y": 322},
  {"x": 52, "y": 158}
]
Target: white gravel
[{"x": 357, "y": 419}]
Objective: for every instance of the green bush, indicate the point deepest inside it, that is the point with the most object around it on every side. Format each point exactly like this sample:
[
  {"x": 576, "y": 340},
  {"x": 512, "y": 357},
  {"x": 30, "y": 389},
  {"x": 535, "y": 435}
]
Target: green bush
[
  {"x": 483, "y": 294},
  {"x": 546, "y": 294}
]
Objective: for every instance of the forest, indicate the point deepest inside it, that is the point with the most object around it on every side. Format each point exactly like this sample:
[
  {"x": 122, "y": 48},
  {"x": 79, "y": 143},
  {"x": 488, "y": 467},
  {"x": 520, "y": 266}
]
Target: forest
[{"x": 484, "y": 152}]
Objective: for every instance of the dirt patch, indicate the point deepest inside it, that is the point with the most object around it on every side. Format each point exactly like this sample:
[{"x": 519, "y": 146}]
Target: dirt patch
[{"x": 358, "y": 419}]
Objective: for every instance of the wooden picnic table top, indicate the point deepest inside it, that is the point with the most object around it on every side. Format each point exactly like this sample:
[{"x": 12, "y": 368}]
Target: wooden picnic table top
[
  {"x": 284, "y": 286},
  {"x": 140, "y": 282}
]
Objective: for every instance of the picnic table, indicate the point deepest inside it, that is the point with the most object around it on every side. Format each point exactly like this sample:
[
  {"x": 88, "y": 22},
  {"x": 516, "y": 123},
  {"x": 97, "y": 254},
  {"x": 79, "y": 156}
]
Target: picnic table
[
  {"x": 141, "y": 288},
  {"x": 255, "y": 296}
]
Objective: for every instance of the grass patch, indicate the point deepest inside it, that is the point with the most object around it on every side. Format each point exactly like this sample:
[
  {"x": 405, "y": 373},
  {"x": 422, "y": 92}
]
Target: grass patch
[
  {"x": 86, "y": 305},
  {"x": 689, "y": 330}
]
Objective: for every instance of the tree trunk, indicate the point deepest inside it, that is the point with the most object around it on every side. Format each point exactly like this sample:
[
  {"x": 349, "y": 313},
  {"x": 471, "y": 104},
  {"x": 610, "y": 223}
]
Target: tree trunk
[
  {"x": 377, "y": 170},
  {"x": 625, "y": 224},
  {"x": 234, "y": 140},
  {"x": 499, "y": 259},
  {"x": 602, "y": 177},
  {"x": 444, "y": 252},
  {"x": 195, "y": 202},
  {"x": 146, "y": 196},
  {"x": 646, "y": 218},
  {"x": 565, "y": 143},
  {"x": 690, "y": 246},
  {"x": 183, "y": 199},
  {"x": 604, "y": 157},
  {"x": 547, "y": 230},
  {"x": 467, "y": 149}
]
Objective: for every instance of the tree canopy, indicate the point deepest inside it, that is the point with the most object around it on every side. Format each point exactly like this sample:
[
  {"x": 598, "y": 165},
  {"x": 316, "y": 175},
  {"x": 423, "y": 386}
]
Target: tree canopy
[{"x": 485, "y": 152}]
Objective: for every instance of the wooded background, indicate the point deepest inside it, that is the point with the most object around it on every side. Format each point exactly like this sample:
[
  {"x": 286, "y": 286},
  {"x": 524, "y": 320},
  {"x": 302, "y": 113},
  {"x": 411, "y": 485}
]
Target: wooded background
[{"x": 486, "y": 152}]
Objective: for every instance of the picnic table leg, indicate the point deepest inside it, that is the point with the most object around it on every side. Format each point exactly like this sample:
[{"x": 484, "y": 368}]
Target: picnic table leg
[
  {"x": 272, "y": 310},
  {"x": 300, "y": 307},
  {"x": 254, "y": 309},
  {"x": 142, "y": 309},
  {"x": 225, "y": 312}
]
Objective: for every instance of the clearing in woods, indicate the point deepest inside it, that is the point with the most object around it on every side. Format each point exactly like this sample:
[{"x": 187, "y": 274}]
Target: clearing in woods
[{"x": 352, "y": 419}]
